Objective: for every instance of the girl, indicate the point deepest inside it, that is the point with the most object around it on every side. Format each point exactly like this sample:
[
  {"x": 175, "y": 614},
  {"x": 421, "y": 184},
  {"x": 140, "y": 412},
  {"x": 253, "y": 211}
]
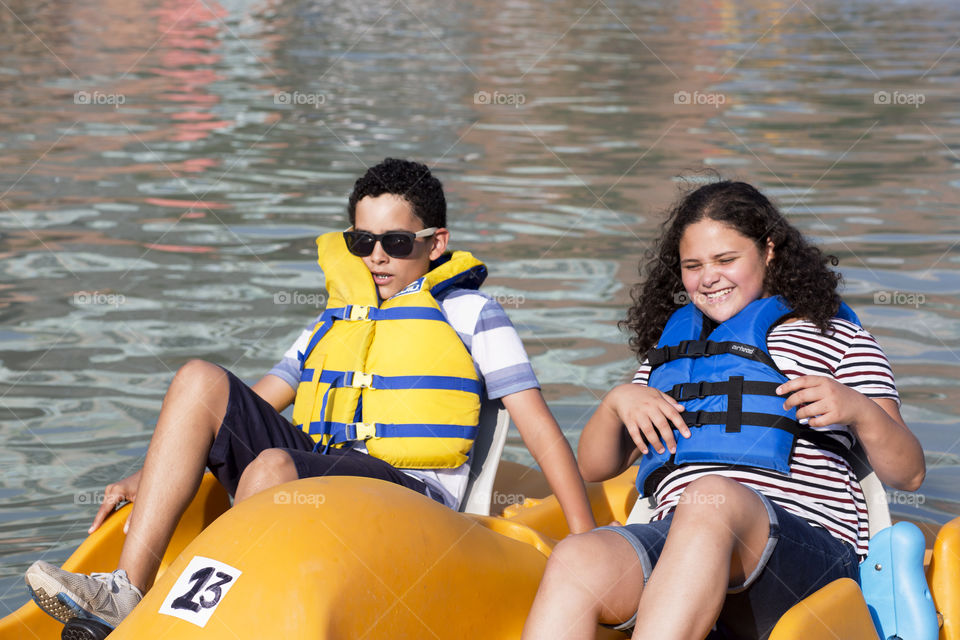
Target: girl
[{"x": 741, "y": 422}]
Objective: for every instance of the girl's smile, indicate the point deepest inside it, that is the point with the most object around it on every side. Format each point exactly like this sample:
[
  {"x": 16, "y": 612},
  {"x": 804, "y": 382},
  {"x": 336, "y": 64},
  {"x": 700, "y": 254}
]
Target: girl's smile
[{"x": 722, "y": 270}]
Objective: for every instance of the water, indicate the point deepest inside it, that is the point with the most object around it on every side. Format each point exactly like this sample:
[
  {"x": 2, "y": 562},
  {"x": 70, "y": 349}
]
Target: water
[{"x": 165, "y": 167}]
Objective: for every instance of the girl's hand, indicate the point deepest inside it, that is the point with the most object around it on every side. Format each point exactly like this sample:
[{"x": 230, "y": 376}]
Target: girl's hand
[
  {"x": 649, "y": 416},
  {"x": 822, "y": 400},
  {"x": 893, "y": 451},
  {"x": 123, "y": 491}
]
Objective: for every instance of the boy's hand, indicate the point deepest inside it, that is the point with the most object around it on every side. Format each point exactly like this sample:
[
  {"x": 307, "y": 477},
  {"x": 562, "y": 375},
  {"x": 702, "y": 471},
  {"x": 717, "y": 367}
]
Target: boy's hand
[
  {"x": 823, "y": 401},
  {"x": 123, "y": 491},
  {"x": 649, "y": 416}
]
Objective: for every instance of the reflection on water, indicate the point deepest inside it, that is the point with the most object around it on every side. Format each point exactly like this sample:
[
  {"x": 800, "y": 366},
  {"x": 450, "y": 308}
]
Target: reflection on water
[{"x": 166, "y": 166}]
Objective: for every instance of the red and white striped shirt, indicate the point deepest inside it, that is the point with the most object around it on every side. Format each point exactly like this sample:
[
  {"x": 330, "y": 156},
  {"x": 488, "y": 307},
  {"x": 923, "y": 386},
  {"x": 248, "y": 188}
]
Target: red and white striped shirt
[{"x": 822, "y": 488}]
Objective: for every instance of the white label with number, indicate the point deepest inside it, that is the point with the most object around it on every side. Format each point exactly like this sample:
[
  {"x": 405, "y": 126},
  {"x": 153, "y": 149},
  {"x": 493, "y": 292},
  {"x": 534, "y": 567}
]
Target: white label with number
[{"x": 199, "y": 590}]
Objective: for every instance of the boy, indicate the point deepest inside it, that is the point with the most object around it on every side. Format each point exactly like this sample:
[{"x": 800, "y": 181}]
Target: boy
[{"x": 210, "y": 418}]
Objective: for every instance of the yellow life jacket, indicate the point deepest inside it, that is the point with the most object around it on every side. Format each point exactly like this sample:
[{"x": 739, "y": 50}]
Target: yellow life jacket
[{"x": 394, "y": 375}]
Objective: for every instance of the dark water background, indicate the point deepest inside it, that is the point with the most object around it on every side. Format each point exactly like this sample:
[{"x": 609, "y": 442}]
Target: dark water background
[{"x": 165, "y": 166}]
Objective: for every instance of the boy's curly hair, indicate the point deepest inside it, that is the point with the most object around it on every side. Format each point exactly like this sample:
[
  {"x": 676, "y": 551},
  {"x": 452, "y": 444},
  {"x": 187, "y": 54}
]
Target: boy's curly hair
[
  {"x": 409, "y": 180},
  {"x": 798, "y": 270}
]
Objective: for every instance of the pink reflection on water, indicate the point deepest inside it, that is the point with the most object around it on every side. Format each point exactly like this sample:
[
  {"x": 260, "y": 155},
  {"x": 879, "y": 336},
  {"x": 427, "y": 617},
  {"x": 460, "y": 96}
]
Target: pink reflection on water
[{"x": 180, "y": 248}]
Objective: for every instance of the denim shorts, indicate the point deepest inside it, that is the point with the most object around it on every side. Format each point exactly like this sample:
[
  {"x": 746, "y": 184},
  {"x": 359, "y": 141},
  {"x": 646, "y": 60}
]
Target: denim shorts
[{"x": 799, "y": 558}]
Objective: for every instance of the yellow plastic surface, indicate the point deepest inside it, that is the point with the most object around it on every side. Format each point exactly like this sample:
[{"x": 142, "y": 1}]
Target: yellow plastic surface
[
  {"x": 837, "y": 611},
  {"x": 943, "y": 576},
  {"x": 355, "y": 558},
  {"x": 101, "y": 551},
  {"x": 611, "y": 500}
]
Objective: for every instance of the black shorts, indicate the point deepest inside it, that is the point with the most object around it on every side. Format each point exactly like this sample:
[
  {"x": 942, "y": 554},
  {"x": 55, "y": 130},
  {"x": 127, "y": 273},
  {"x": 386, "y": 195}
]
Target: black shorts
[{"x": 250, "y": 426}]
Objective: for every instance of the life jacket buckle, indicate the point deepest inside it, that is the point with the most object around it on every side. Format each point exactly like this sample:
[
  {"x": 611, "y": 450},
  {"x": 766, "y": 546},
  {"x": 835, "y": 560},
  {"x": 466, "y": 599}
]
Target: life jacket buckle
[
  {"x": 689, "y": 391},
  {"x": 358, "y": 312},
  {"x": 694, "y": 348},
  {"x": 360, "y": 380},
  {"x": 362, "y": 430}
]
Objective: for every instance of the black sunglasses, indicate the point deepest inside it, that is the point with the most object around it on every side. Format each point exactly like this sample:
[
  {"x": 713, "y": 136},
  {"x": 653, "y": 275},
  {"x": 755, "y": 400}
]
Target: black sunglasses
[{"x": 396, "y": 244}]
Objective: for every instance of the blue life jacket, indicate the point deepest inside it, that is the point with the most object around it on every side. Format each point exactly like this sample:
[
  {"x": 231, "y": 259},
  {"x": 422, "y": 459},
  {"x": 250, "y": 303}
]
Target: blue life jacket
[{"x": 726, "y": 380}]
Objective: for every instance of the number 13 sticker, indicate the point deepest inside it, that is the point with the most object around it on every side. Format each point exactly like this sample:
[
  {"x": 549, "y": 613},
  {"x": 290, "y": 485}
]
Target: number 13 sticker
[{"x": 199, "y": 590}]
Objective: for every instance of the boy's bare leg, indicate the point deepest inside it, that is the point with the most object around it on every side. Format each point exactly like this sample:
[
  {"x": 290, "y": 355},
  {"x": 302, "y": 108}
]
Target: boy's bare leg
[
  {"x": 192, "y": 412},
  {"x": 269, "y": 469}
]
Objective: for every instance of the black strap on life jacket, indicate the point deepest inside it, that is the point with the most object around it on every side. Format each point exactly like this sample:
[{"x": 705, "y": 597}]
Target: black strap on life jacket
[
  {"x": 733, "y": 388},
  {"x": 708, "y": 327},
  {"x": 705, "y": 348},
  {"x": 700, "y": 418},
  {"x": 817, "y": 438},
  {"x": 821, "y": 440},
  {"x": 699, "y": 390}
]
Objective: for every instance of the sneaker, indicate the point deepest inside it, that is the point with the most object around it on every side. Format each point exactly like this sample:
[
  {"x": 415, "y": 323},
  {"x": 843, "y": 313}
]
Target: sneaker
[{"x": 105, "y": 597}]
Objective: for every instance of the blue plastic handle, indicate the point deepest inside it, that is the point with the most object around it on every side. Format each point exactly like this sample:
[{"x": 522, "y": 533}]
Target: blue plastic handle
[{"x": 895, "y": 587}]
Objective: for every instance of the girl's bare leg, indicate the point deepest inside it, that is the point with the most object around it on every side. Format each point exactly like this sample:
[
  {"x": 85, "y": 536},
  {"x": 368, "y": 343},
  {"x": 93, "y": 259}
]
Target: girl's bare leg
[
  {"x": 716, "y": 539},
  {"x": 590, "y": 577},
  {"x": 717, "y": 536}
]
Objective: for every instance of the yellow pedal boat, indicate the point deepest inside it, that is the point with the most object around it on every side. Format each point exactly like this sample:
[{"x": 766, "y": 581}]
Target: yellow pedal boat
[{"x": 360, "y": 558}]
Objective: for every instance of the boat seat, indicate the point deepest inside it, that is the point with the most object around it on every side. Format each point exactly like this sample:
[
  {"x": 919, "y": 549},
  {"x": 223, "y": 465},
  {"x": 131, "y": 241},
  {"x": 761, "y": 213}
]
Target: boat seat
[
  {"x": 485, "y": 458},
  {"x": 878, "y": 511}
]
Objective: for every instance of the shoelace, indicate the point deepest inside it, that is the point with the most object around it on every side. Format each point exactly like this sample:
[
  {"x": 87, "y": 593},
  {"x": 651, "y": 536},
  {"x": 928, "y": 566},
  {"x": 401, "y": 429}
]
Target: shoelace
[{"x": 113, "y": 580}]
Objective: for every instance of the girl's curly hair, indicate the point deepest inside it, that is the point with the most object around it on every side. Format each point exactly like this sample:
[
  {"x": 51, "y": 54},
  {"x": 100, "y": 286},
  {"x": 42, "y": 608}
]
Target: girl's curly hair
[{"x": 798, "y": 270}]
